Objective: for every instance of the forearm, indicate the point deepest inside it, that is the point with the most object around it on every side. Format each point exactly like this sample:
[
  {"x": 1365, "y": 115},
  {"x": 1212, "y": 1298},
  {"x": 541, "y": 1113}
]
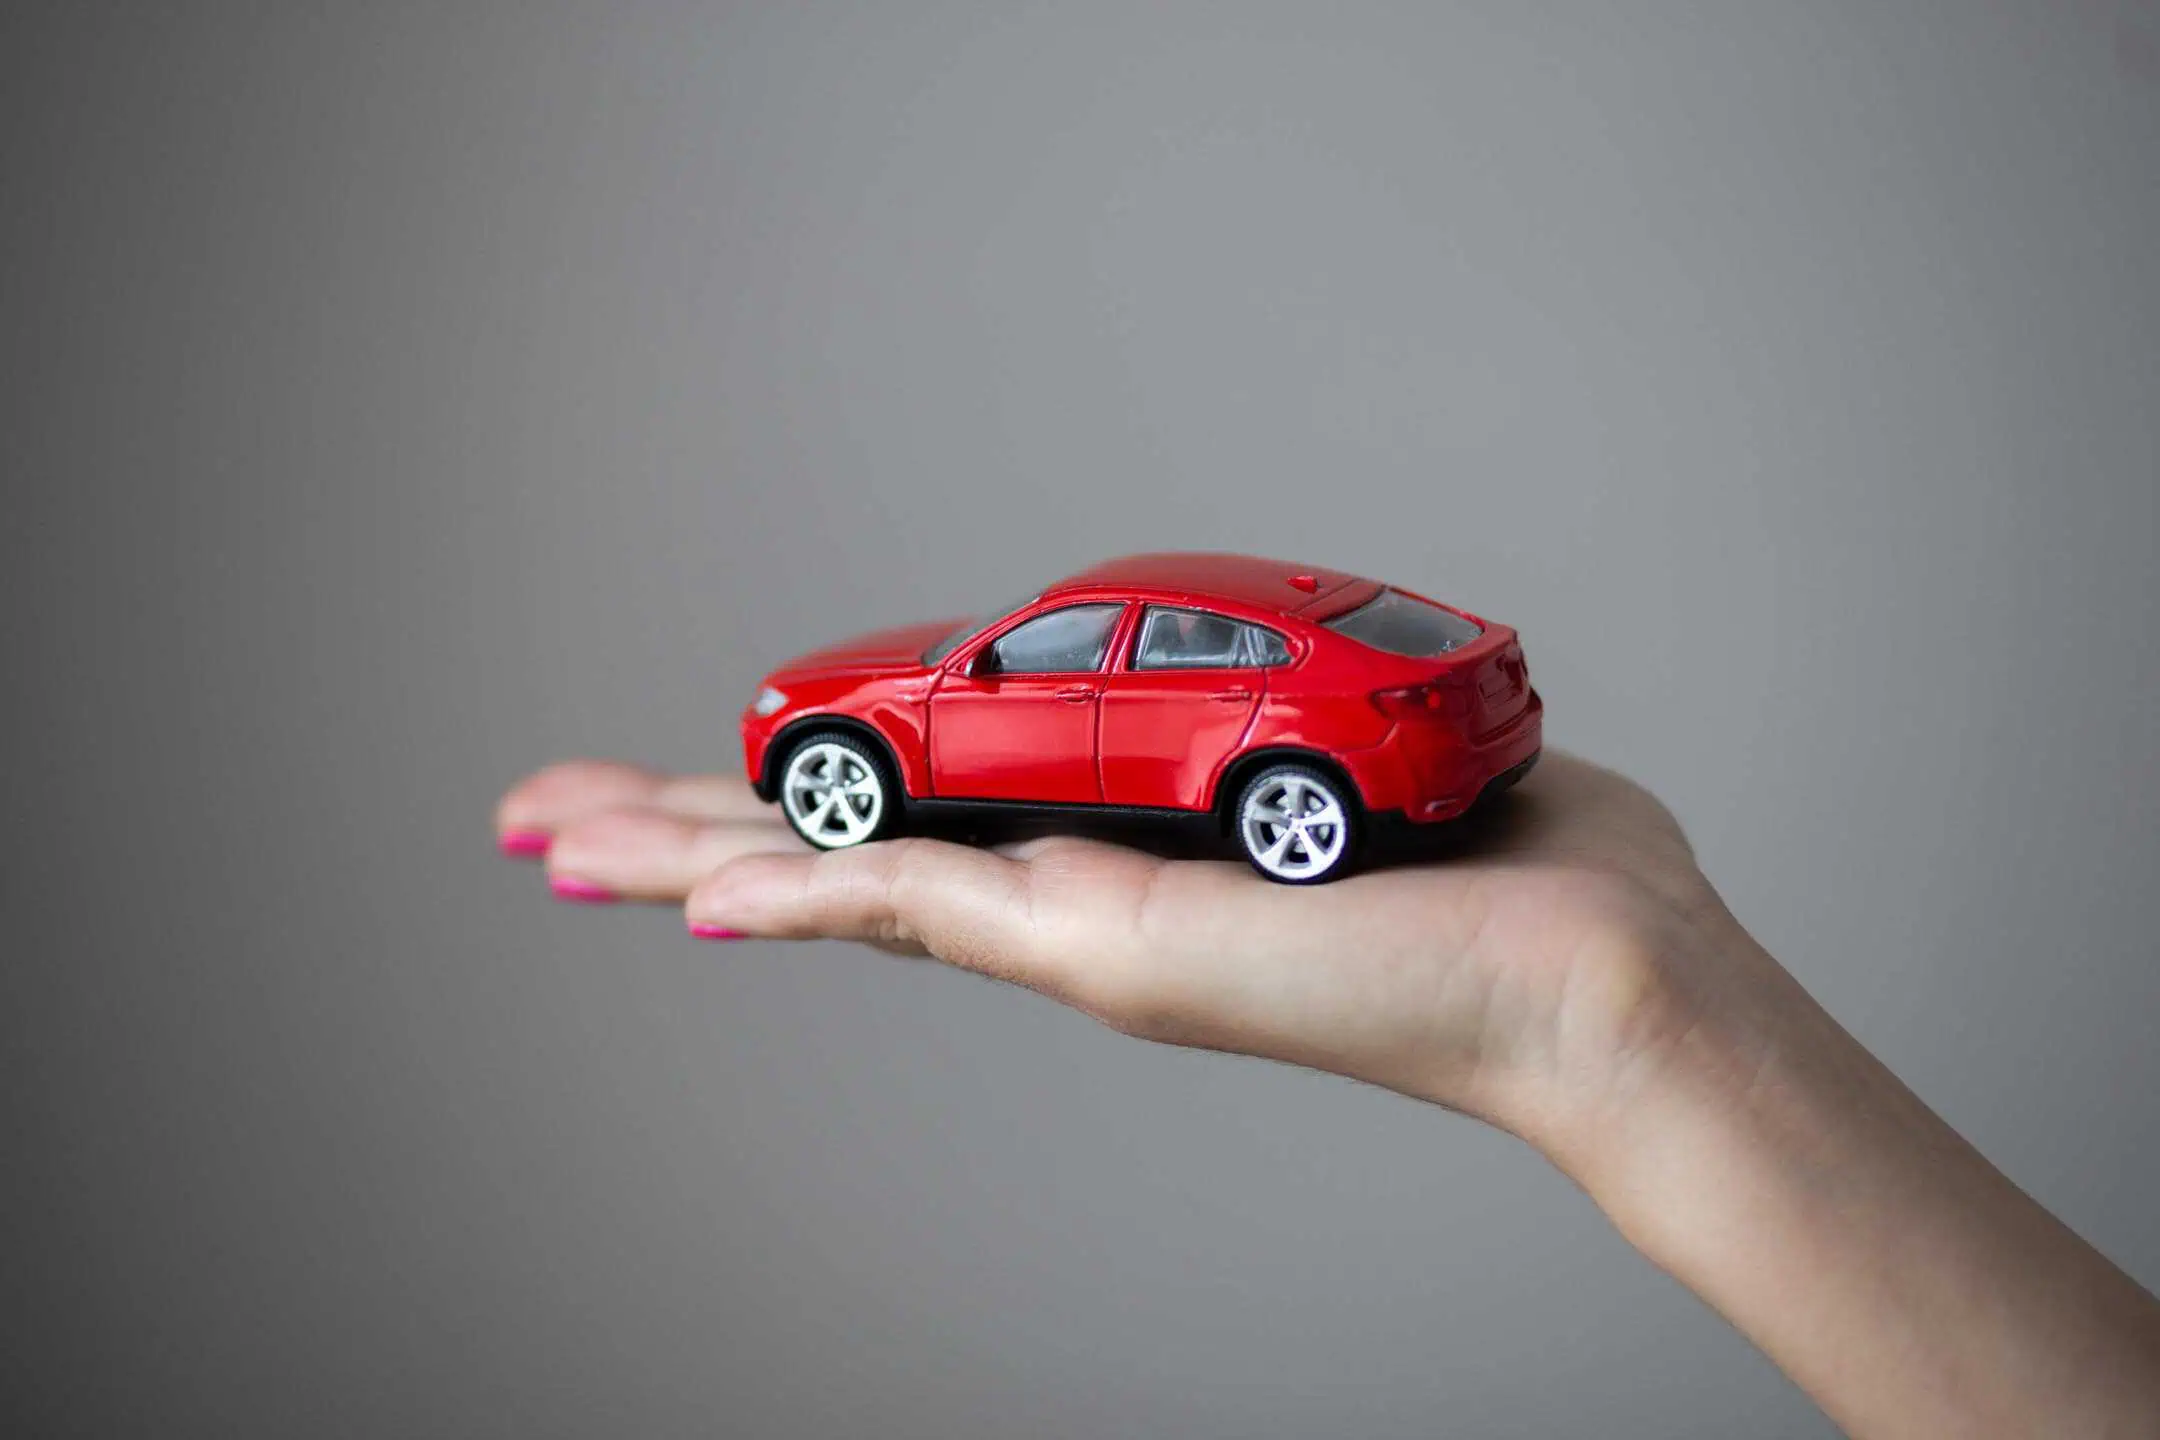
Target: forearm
[{"x": 1783, "y": 1174}]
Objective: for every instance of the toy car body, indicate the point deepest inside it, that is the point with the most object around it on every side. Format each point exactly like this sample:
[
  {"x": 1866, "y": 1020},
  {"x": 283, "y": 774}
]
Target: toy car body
[{"x": 1292, "y": 706}]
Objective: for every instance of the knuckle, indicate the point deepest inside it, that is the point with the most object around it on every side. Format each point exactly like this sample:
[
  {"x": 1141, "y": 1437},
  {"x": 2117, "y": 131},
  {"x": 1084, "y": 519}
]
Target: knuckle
[
  {"x": 727, "y": 882},
  {"x": 904, "y": 876},
  {"x": 704, "y": 896},
  {"x": 852, "y": 889},
  {"x": 907, "y": 869},
  {"x": 593, "y": 839}
]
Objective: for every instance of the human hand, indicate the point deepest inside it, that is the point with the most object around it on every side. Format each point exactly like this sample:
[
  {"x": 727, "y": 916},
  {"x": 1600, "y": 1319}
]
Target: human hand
[
  {"x": 1527, "y": 974},
  {"x": 1561, "y": 968}
]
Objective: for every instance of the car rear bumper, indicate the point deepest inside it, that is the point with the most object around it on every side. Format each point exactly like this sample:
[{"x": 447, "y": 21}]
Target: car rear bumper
[{"x": 1430, "y": 777}]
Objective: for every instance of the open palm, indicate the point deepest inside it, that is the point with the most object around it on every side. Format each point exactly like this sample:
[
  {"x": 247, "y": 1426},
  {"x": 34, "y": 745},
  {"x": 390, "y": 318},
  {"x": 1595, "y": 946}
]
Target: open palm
[{"x": 1533, "y": 947}]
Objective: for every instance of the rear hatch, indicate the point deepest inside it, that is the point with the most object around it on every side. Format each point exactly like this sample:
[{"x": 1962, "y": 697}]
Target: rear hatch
[
  {"x": 1497, "y": 677},
  {"x": 1478, "y": 676}
]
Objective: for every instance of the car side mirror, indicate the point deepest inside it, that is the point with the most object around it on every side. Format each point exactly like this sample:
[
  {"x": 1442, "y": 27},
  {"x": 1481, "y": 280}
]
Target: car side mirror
[{"x": 985, "y": 662}]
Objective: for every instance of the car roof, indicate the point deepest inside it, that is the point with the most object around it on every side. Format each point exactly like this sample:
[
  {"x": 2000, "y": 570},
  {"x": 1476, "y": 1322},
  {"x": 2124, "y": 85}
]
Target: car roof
[{"x": 1274, "y": 585}]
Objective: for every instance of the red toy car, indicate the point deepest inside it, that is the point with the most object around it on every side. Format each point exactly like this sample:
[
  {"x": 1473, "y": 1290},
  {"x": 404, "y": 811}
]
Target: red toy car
[{"x": 1291, "y": 705}]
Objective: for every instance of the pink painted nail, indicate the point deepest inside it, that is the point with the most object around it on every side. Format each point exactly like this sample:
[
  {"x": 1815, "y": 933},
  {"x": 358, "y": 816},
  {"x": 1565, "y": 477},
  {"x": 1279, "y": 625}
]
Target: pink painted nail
[
  {"x": 569, "y": 887},
  {"x": 524, "y": 844},
  {"x": 715, "y": 932}
]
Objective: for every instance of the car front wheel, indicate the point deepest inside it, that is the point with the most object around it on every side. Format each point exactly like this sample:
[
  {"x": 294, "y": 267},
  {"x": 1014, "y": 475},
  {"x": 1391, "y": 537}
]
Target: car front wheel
[
  {"x": 836, "y": 792},
  {"x": 1296, "y": 825}
]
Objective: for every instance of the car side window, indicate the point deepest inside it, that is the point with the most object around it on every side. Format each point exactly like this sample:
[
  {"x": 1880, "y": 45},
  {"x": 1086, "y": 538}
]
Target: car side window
[
  {"x": 1173, "y": 639},
  {"x": 1062, "y": 642}
]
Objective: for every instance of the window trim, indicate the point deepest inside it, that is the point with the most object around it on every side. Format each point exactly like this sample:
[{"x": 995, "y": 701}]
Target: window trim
[
  {"x": 987, "y": 650},
  {"x": 1148, "y": 611}
]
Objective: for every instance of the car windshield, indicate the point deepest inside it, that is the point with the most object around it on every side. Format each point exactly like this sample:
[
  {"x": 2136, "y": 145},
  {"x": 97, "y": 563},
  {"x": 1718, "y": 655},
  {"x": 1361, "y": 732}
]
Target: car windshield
[
  {"x": 937, "y": 653},
  {"x": 1403, "y": 625}
]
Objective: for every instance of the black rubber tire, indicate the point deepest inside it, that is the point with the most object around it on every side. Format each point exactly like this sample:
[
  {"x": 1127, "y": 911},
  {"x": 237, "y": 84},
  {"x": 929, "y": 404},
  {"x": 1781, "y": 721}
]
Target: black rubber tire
[
  {"x": 1345, "y": 798},
  {"x": 892, "y": 802}
]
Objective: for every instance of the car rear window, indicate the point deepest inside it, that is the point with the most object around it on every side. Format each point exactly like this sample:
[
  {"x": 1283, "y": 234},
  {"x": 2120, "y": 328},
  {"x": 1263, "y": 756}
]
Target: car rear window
[{"x": 1403, "y": 625}]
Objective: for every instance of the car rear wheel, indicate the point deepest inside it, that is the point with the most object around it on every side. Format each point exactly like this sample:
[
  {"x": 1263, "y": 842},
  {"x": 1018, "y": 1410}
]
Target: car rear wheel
[
  {"x": 1297, "y": 825},
  {"x": 836, "y": 791}
]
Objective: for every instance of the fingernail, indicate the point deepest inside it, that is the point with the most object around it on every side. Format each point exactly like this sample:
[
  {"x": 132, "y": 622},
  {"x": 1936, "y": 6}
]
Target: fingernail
[
  {"x": 524, "y": 844},
  {"x": 569, "y": 887},
  {"x": 715, "y": 932}
]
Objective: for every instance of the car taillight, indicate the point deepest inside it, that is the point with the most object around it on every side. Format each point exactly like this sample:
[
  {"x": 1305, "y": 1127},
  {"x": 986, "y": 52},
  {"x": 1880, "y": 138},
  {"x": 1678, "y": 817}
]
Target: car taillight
[{"x": 1414, "y": 702}]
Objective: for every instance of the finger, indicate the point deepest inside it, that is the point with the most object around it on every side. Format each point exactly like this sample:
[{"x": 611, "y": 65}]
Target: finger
[
  {"x": 713, "y": 797},
  {"x": 969, "y": 907},
  {"x": 535, "y": 808},
  {"x": 645, "y": 853}
]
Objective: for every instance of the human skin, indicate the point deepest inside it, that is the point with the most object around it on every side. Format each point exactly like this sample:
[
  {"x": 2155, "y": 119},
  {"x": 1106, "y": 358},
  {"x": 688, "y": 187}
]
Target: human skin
[{"x": 1570, "y": 977}]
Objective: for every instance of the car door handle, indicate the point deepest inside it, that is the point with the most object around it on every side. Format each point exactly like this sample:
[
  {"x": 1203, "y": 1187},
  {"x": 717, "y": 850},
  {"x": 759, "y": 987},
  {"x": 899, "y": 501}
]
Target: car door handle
[
  {"x": 1077, "y": 694},
  {"x": 1226, "y": 696}
]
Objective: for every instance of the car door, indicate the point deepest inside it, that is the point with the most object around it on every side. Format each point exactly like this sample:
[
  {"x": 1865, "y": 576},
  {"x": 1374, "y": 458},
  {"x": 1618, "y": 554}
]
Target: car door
[
  {"x": 1180, "y": 704},
  {"x": 1017, "y": 722}
]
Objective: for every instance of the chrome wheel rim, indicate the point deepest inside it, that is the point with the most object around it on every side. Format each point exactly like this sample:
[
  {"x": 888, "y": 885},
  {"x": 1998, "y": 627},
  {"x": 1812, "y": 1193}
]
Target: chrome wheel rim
[
  {"x": 1294, "y": 827},
  {"x": 832, "y": 794}
]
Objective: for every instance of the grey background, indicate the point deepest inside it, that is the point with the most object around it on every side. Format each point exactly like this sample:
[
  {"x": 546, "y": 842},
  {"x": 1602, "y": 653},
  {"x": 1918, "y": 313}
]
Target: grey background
[{"x": 400, "y": 396}]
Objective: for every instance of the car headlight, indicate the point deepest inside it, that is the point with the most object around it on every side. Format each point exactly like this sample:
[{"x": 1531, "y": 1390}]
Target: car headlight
[{"x": 769, "y": 701}]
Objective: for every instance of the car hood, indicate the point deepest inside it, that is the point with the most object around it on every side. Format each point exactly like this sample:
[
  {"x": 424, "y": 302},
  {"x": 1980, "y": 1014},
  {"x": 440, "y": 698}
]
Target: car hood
[{"x": 880, "y": 651}]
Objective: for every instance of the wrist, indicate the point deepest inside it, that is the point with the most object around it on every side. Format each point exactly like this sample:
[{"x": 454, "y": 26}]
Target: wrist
[
  {"x": 1769, "y": 1163},
  {"x": 1703, "y": 1114},
  {"x": 1669, "y": 1025}
]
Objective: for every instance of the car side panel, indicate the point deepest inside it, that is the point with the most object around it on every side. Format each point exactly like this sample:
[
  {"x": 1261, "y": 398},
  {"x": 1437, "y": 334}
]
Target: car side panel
[
  {"x": 1016, "y": 738},
  {"x": 1167, "y": 733},
  {"x": 1026, "y": 737},
  {"x": 1321, "y": 702}
]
